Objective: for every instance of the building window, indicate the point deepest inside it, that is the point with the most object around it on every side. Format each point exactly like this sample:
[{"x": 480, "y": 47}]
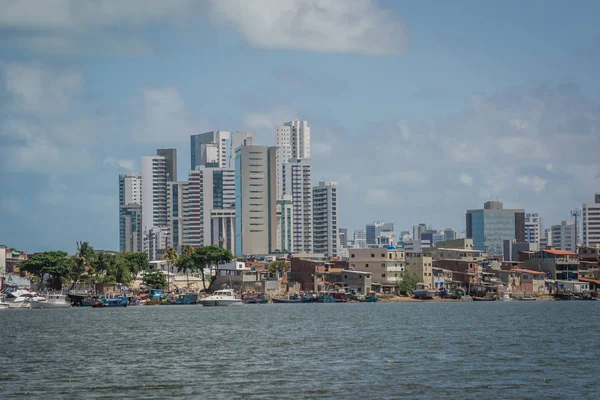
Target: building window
[
  {"x": 372, "y": 255},
  {"x": 366, "y": 265},
  {"x": 383, "y": 275},
  {"x": 382, "y": 265}
]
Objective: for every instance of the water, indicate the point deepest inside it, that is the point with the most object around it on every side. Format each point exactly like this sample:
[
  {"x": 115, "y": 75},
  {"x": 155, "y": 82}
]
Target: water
[{"x": 503, "y": 350}]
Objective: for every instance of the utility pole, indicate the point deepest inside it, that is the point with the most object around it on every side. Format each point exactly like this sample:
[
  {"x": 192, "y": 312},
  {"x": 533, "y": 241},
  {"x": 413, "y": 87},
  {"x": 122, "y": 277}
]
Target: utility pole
[{"x": 576, "y": 213}]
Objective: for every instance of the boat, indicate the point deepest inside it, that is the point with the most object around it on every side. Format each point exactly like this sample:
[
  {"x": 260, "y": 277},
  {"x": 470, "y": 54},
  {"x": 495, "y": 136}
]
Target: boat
[
  {"x": 489, "y": 296},
  {"x": 223, "y": 297},
  {"x": 369, "y": 298},
  {"x": 51, "y": 301},
  {"x": 292, "y": 299},
  {"x": 3, "y": 304},
  {"x": 505, "y": 297},
  {"x": 325, "y": 298},
  {"x": 19, "y": 299},
  {"x": 423, "y": 291},
  {"x": 117, "y": 302},
  {"x": 526, "y": 298},
  {"x": 255, "y": 298}
]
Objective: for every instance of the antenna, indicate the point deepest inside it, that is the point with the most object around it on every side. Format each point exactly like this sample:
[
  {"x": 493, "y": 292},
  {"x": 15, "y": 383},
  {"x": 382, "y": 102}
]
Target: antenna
[{"x": 576, "y": 213}]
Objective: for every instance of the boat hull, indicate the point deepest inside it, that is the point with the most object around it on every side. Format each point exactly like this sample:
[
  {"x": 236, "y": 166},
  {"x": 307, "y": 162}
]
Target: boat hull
[
  {"x": 424, "y": 294},
  {"x": 21, "y": 304},
  {"x": 221, "y": 302},
  {"x": 44, "y": 304}
]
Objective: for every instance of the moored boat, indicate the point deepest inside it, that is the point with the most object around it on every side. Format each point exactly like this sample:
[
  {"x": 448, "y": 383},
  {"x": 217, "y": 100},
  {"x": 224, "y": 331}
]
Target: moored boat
[
  {"x": 3, "y": 303},
  {"x": 505, "y": 297},
  {"x": 423, "y": 291},
  {"x": 224, "y": 297},
  {"x": 52, "y": 301},
  {"x": 255, "y": 298},
  {"x": 292, "y": 299}
]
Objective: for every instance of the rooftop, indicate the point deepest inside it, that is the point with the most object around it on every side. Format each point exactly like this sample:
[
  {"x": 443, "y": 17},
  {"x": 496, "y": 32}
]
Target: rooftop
[
  {"x": 527, "y": 271},
  {"x": 560, "y": 252}
]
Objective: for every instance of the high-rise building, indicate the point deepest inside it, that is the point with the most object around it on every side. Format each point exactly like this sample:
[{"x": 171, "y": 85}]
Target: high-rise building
[
  {"x": 255, "y": 200},
  {"x": 154, "y": 192},
  {"x": 449, "y": 234},
  {"x": 591, "y": 222},
  {"x": 491, "y": 226},
  {"x": 564, "y": 236},
  {"x": 533, "y": 228},
  {"x": 285, "y": 224},
  {"x": 216, "y": 149},
  {"x": 343, "y": 237},
  {"x": 297, "y": 183},
  {"x": 155, "y": 242},
  {"x": 417, "y": 230},
  {"x": 170, "y": 156},
  {"x": 177, "y": 212},
  {"x": 130, "y": 212},
  {"x": 380, "y": 233},
  {"x": 325, "y": 218},
  {"x": 211, "y": 208},
  {"x": 360, "y": 239},
  {"x": 293, "y": 141}
]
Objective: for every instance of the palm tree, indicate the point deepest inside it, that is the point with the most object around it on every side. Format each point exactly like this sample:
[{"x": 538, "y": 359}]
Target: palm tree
[
  {"x": 84, "y": 257},
  {"x": 171, "y": 257},
  {"x": 185, "y": 263}
]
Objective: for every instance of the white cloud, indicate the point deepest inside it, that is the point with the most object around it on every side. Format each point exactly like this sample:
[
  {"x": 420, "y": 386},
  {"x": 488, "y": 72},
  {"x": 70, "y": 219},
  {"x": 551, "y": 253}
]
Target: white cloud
[
  {"x": 123, "y": 164},
  {"x": 73, "y": 26},
  {"x": 348, "y": 26},
  {"x": 269, "y": 120},
  {"x": 536, "y": 183},
  {"x": 163, "y": 117},
  {"x": 404, "y": 129},
  {"x": 548, "y": 167},
  {"x": 466, "y": 179}
]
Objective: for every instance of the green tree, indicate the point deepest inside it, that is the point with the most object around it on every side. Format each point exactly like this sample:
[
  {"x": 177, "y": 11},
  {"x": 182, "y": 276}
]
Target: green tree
[
  {"x": 154, "y": 279},
  {"x": 185, "y": 263},
  {"x": 278, "y": 266},
  {"x": 408, "y": 283},
  {"x": 53, "y": 264},
  {"x": 135, "y": 262},
  {"x": 171, "y": 258},
  {"x": 83, "y": 259}
]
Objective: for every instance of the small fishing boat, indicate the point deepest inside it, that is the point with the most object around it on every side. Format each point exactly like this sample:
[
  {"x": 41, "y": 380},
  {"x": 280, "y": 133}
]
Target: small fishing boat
[
  {"x": 223, "y": 297},
  {"x": 369, "y": 298},
  {"x": 489, "y": 296},
  {"x": 292, "y": 299},
  {"x": 423, "y": 291},
  {"x": 505, "y": 297},
  {"x": 117, "y": 302}
]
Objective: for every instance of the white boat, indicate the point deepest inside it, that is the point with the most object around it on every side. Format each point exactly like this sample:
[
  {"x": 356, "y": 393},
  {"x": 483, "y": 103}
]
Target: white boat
[
  {"x": 224, "y": 297},
  {"x": 20, "y": 299},
  {"x": 3, "y": 304},
  {"x": 505, "y": 297},
  {"x": 51, "y": 301}
]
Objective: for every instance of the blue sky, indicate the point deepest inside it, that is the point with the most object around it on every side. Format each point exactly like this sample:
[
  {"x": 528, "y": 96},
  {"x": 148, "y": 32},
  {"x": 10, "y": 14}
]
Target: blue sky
[{"x": 419, "y": 110}]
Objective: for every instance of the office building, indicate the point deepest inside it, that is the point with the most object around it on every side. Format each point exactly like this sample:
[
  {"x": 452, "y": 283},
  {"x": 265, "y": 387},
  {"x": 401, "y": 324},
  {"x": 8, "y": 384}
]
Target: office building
[
  {"x": 170, "y": 156},
  {"x": 216, "y": 149},
  {"x": 512, "y": 249},
  {"x": 325, "y": 219},
  {"x": 491, "y": 226},
  {"x": 177, "y": 212},
  {"x": 533, "y": 228},
  {"x": 380, "y": 233},
  {"x": 211, "y": 208},
  {"x": 417, "y": 230},
  {"x": 130, "y": 212},
  {"x": 155, "y": 242},
  {"x": 360, "y": 239},
  {"x": 449, "y": 234},
  {"x": 255, "y": 200},
  {"x": 590, "y": 217},
  {"x": 285, "y": 224},
  {"x": 293, "y": 141},
  {"x": 564, "y": 236}
]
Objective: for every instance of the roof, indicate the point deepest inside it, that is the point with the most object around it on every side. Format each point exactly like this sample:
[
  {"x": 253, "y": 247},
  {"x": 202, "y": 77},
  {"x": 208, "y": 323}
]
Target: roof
[
  {"x": 560, "y": 252},
  {"x": 527, "y": 271},
  {"x": 596, "y": 281}
]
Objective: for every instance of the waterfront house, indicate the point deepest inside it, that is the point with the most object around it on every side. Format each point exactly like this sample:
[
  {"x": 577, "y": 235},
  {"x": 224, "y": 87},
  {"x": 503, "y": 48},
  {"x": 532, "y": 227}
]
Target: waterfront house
[
  {"x": 387, "y": 266},
  {"x": 558, "y": 264},
  {"x": 420, "y": 264},
  {"x": 524, "y": 281}
]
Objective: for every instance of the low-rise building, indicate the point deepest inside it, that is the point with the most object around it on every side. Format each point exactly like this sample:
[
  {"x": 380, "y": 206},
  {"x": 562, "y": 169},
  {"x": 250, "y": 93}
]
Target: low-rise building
[
  {"x": 421, "y": 265},
  {"x": 386, "y": 264},
  {"x": 524, "y": 281},
  {"x": 559, "y": 264},
  {"x": 310, "y": 274}
]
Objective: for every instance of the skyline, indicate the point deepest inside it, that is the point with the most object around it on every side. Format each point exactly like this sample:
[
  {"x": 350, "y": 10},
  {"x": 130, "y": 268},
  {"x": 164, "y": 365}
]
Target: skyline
[{"x": 418, "y": 117}]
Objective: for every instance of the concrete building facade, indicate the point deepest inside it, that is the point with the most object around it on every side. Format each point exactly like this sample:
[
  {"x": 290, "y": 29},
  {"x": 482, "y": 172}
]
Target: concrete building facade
[
  {"x": 293, "y": 141},
  {"x": 130, "y": 212},
  {"x": 325, "y": 219},
  {"x": 170, "y": 156},
  {"x": 591, "y": 222},
  {"x": 255, "y": 200},
  {"x": 216, "y": 149},
  {"x": 285, "y": 224},
  {"x": 564, "y": 236},
  {"x": 387, "y": 265},
  {"x": 296, "y": 182},
  {"x": 177, "y": 212}
]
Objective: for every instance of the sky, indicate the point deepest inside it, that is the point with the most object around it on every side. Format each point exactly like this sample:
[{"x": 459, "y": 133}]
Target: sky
[{"x": 419, "y": 110}]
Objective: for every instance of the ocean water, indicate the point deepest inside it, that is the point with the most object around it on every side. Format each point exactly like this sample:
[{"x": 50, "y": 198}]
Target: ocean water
[{"x": 502, "y": 350}]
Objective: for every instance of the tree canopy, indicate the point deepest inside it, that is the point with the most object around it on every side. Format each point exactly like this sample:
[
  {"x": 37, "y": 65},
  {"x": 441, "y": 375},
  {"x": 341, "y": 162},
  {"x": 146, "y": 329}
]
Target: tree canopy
[
  {"x": 408, "y": 283},
  {"x": 54, "y": 264}
]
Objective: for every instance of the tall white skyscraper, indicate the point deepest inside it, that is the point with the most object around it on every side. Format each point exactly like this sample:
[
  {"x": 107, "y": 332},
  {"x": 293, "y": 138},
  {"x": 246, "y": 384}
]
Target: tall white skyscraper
[
  {"x": 211, "y": 209},
  {"x": 533, "y": 228},
  {"x": 177, "y": 211},
  {"x": 296, "y": 182},
  {"x": 293, "y": 141},
  {"x": 216, "y": 149},
  {"x": 130, "y": 212},
  {"x": 154, "y": 205},
  {"x": 255, "y": 200},
  {"x": 591, "y": 222},
  {"x": 325, "y": 217},
  {"x": 285, "y": 224}
]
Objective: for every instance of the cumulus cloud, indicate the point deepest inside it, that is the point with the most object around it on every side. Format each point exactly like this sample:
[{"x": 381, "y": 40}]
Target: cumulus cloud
[
  {"x": 466, "y": 179},
  {"x": 536, "y": 183},
  {"x": 349, "y": 26}
]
